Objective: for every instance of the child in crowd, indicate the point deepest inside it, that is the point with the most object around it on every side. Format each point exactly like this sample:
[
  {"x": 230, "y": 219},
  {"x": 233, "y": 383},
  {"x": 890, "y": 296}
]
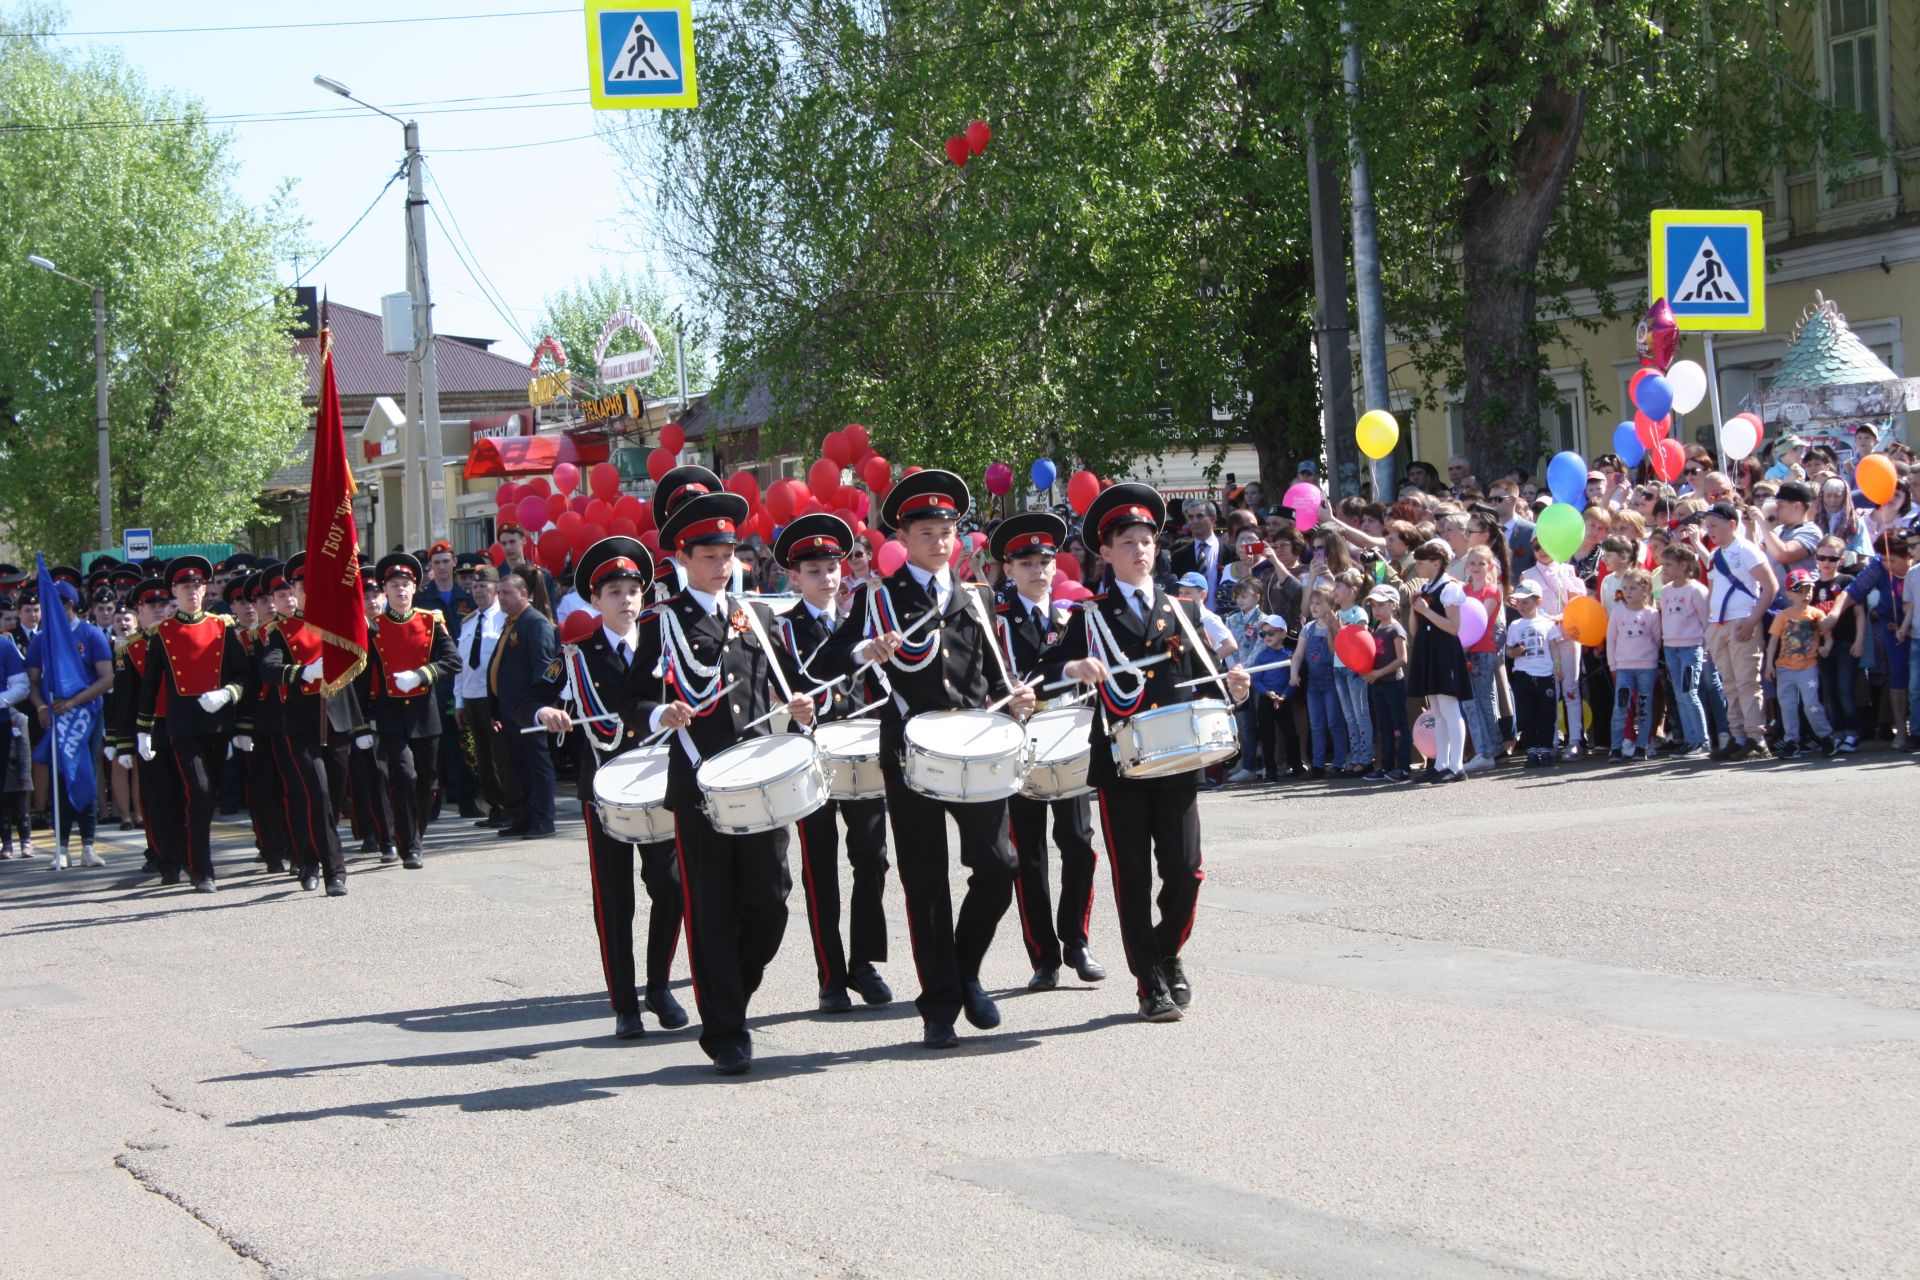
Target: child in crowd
[
  {"x": 16, "y": 788},
  {"x": 1243, "y": 624},
  {"x": 1633, "y": 655},
  {"x": 1355, "y": 705},
  {"x": 1530, "y": 642},
  {"x": 1794, "y": 643},
  {"x": 1193, "y": 588},
  {"x": 1683, "y": 639},
  {"x": 1387, "y": 690},
  {"x": 1274, "y": 717},
  {"x": 1313, "y": 671},
  {"x": 1559, "y": 584},
  {"x": 1847, "y": 626}
]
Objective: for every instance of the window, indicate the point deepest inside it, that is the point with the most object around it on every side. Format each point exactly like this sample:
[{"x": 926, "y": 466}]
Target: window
[{"x": 1853, "y": 56}]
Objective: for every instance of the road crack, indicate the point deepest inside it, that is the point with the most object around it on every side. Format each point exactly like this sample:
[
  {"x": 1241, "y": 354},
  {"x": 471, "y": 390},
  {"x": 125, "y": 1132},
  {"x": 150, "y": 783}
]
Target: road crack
[{"x": 239, "y": 1247}]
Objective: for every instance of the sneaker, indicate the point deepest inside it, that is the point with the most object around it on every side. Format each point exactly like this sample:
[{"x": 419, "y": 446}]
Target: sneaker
[
  {"x": 1399, "y": 775},
  {"x": 59, "y": 862},
  {"x": 1829, "y": 747},
  {"x": 1378, "y": 775},
  {"x": 88, "y": 858},
  {"x": 1480, "y": 764},
  {"x": 1789, "y": 749},
  {"x": 1243, "y": 775},
  {"x": 1617, "y": 755},
  {"x": 1848, "y": 745}
]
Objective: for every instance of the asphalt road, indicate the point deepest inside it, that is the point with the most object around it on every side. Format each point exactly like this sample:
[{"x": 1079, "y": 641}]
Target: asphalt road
[{"x": 1653, "y": 1022}]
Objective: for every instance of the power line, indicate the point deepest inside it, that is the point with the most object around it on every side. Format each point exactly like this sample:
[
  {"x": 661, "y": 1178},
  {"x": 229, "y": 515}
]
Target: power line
[
  {"x": 267, "y": 117},
  {"x": 295, "y": 26},
  {"x": 515, "y": 146},
  {"x": 398, "y": 174},
  {"x": 470, "y": 259}
]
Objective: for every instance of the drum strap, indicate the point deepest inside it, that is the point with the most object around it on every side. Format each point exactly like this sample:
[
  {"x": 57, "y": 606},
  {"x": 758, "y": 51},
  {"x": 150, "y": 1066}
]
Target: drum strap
[
  {"x": 766, "y": 649},
  {"x": 1200, "y": 649},
  {"x": 987, "y": 631}
]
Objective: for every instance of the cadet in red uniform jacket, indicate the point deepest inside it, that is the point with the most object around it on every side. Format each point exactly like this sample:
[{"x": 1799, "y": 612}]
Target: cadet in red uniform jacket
[
  {"x": 409, "y": 652},
  {"x": 158, "y": 783}
]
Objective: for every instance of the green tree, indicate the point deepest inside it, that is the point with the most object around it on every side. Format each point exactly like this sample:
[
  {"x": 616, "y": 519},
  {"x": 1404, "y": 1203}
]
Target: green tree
[
  {"x": 575, "y": 316},
  {"x": 127, "y": 187}
]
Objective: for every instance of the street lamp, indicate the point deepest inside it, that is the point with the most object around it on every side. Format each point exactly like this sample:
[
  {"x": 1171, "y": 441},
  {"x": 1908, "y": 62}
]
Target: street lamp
[
  {"x": 425, "y": 414},
  {"x": 99, "y": 390}
]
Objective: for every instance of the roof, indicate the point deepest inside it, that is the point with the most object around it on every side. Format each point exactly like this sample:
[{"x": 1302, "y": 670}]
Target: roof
[
  {"x": 736, "y": 411},
  {"x": 362, "y": 368},
  {"x": 1825, "y": 353},
  {"x": 532, "y": 455}
]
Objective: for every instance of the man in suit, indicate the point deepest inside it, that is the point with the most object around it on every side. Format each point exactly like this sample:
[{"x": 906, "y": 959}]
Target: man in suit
[
  {"x": 1513, "y": 518},
  {"x": 951, "y": 662},
  {"x": 1032, "y": 623},
  {"x": 718, "y": 677},
  {"x": 1204, "y": 552},
  {"x": 526, "y": 661},
  {"x": 611, "y": 671},
  {"x": 407, "y": 655},
  {"x": 810, "y": 549},
  {"x": 1148, "y": 822},
  {"x": 474, "y": 710}
]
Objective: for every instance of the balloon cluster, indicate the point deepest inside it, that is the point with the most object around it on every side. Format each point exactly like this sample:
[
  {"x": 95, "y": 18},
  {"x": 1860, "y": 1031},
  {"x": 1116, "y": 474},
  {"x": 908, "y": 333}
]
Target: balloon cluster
[
  {"x": 962, "y": 147},
  {"x": 1740, "y": 435},
  {"x": 560, "y": 523}
]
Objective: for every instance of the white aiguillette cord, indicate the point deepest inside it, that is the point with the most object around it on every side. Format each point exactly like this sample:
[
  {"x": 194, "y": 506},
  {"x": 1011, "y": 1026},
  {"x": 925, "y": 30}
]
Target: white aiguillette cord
[{"x": 1205, "y": 654}]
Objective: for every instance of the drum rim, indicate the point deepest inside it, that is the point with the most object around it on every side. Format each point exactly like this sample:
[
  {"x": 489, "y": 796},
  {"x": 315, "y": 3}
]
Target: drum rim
[
  {"x": 812, "y": 757},
  {"x": 997, "y": 719}
]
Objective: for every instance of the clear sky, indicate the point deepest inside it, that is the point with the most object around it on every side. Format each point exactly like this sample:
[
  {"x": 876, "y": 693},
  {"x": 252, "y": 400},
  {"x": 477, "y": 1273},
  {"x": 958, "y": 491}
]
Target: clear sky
[{"x": 536, "y": 217}]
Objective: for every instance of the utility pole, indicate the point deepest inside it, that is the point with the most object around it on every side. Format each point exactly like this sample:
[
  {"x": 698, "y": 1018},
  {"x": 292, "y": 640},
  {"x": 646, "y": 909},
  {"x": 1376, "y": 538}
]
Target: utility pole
[
  {"x": 1366, "y": 260},
  {"x": 1332, "y": 328}
]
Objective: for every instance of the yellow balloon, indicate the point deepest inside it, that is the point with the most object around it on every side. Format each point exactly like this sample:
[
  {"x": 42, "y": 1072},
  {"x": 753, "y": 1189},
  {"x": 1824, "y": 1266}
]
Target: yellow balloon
[{"x": 1377, "y": 433}]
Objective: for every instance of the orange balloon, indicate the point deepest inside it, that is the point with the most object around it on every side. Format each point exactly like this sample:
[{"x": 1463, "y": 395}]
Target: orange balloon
[
  {"x": 1877, "y": 478},
  {"x": 1585, "y": 621}
]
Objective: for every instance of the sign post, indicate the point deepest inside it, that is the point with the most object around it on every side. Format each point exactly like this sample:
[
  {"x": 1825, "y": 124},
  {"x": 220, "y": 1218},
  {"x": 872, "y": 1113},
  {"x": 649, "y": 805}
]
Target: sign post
[
  {"x": 136, "y": 544},
  {"x": 640, "y": 54},
  {"x": 1711, "y": 267}
]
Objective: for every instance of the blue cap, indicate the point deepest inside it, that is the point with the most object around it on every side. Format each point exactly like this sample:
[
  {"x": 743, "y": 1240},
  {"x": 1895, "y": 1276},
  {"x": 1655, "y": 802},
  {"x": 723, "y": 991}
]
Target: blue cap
[
  {"x": 67, "y": 591},
  {"x": 1192, "y": 580}
]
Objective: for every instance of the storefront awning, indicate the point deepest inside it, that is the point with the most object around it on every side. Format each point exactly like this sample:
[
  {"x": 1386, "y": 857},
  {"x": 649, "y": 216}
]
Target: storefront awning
[{"x": 531, "y": 455}]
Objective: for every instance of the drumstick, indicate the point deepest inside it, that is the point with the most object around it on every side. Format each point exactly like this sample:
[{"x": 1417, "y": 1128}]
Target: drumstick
[
  {"x": 697, "y": 708},
  {"x": 1130, "y": 668},
  {"x": 582, "y": 720},
  {"x": 819, "y": 689},
  {"x": 1265, "y": 666}
]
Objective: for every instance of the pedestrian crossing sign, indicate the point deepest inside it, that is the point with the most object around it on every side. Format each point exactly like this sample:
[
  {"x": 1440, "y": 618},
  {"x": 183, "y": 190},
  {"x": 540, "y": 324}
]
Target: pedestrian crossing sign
[
  {"x": 1711, "y": 267},
  {"x": 640, "y": 54}
]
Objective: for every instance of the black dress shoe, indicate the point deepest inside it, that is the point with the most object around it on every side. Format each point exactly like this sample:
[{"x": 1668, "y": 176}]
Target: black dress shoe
[
  {"x": 538, "y": 833},
  {"x": 938, "y": 1035},
  {"x": 411, "y": 861},
  {"x": 470, "y": 810},
  {"x": 733, "y": 1060},
  {"x": 513, "y": 832},
  {"x": 203, "y": 886},
  {"x": 336, "y": 886},
  {"x": 872, "y": 987},
  {"x": 368, "y": 846},
  {"x": 387, "y": 854},
  {"x": 1177, "y": 985},
  {"x": 170, "y": 877},
  {"x": 666, "y": 1008},
  {"x": 275, "y": 866},
  {"x": 1089, "y": 969},
  {"x": 487, "y": 822},
  {"x": 1159, "y": 1007},
  {"x": 309, "y": 881},
  {"x": 981, "y": 1011},
  {"x": 627, "y": 1026},
  {"x": 1045, "y": 978},
  {"x": 835, "y": 1000}
]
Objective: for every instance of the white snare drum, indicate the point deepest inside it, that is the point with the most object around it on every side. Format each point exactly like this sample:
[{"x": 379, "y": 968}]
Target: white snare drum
[
  {"x": 850, "y": 753},
  {"x": 627, "y": 793},
  {"x": 762, "y": 784},
  {"x": 1175, "y": 739},
  {"x": 1060, "y": 754},
  {"x": 965, "y": 755}
]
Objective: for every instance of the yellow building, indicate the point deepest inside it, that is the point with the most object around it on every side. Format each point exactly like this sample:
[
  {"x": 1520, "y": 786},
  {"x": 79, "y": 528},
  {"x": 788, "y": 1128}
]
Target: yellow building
[{"x": 1858, "y": 245}]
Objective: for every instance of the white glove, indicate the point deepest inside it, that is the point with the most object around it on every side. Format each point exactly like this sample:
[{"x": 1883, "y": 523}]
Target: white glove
[
  {"x": 407, "y": 681},
  {"x": 242, "y": 742},
  {"x": 364, "y": 742},
  {"x": 313, "y": 670},
  {"x": 144, "y": 741},
  {"x": 109, "y": 754},
  {"x": 124, "y": 760},
  {"x": 217, "y": 699}
]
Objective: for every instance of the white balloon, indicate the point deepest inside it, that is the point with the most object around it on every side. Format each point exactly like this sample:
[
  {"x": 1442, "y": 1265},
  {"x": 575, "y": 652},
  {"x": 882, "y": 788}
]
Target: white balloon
[
  {"x": 1689, "y": 384},
  {"x": 1738, "y": 438}
]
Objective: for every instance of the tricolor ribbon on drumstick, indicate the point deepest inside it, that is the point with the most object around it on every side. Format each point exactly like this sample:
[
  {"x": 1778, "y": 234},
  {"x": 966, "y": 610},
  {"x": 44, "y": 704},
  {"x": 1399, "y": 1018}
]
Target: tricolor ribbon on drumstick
[{"x": 698, "y": 708}]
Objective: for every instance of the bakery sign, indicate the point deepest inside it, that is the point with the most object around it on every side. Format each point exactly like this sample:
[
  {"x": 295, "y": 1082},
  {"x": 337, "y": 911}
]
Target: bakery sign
[
  {"x": 501, "y": 425},
  {"x": 550, "y": 380},
  {"x": 626, "y": 366}
]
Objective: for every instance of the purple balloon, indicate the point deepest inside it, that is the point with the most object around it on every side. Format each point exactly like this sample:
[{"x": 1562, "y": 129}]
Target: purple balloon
[
  {"x": 999, "y": 478},
  {"x": 1473, "y": 622}
]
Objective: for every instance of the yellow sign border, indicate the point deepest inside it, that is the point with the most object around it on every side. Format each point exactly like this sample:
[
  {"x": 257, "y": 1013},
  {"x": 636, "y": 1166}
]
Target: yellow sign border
[
  {"x": 596, "y": 83},
  {"x": 1755, "y": 224}
]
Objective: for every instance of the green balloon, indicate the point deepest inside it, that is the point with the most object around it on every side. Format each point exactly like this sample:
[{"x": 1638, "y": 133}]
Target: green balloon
[{"x": 1560, "y": 529}]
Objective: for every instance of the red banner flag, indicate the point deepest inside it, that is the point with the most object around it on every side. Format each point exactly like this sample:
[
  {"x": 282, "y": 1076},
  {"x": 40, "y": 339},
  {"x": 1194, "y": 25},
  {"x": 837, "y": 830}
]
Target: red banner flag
[{"x": 336, "y": 608}]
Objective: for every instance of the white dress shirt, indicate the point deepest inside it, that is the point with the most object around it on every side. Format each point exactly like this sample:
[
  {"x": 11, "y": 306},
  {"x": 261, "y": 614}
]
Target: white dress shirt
[
  {"x": 614, "y": 640},
  {"x": 569, "y": 604},
  {"x": 470, "y": 682},
  {"x": 1139, "y": 599},
  {"x": 938, "y": 584}
]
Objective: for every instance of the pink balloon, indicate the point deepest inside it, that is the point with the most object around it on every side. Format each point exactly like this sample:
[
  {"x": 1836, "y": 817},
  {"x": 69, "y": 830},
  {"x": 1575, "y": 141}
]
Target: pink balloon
[
  {"x": 1071, "y": 591},
  {"x": 1426, "y": 735},
  {"x": 1303, "y": 499},
  {"x": 890, "y": 557},
  {"x": 999, "y": 478},
  {"x": 1473, "y": 622},
  {"x": 533, "y": 513},
  {"x": 566, "y": 477}
]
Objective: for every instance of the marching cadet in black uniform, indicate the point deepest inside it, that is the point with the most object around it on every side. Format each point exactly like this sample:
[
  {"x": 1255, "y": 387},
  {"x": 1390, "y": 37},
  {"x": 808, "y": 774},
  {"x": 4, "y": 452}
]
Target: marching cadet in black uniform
[
  {"x": 1147, "y": 821},
  {"x": 676, "y": 486},
  {"x": 525, "y": 660},
  {"x": 197, "y": 670},
  {"x": 611, "y": 672},
  {"x": 259, "y": 719},
  {"x": 405, "y": 656},
  {"x": 355, "y": 773},
  {"x": 810, "y": 549},
  {"x": 291, "y": 666},
  {"x": 159, "y": 785},
  {"x": 1031, "y": 623},
  {"x": 719, "y": 678},
  {"x": 949, "y": 663}
]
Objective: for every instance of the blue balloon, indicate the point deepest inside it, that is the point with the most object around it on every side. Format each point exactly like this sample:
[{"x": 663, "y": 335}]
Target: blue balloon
[
  {"x": 1567, "y": 478},
  {"x": 1043, "y": 473},
  {"x": 1626, "y": 443},
  {"x": 1654, "y": 396}
]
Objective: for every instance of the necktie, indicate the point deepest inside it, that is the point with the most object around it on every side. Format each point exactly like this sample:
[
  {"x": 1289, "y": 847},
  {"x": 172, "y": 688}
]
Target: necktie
[
  {"x": 1039, "y": 618},
  {"x": 473, "y": 650},
  {"x": 1140, "y": 604},
  {"x": 940, "y": 594},
  {"x": 626, "y": 658}
]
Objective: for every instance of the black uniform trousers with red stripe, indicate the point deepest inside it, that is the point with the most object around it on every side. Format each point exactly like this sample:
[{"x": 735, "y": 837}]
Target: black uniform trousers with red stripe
[
  {"x": 266, "y": 802},
  {"x": 610, "y": 861},
  {"x": 866, "y": 822},
  {"x": 160, "y": 804},
  {"x": 197, "y": 760},
  {"x": 1073, "y": 832},
  {"x": 1149, "y": 828},
  {"x": 413, "y": 777},
  {"x": 308, "y": 804},
  {"x": 735, "y": 889},
  {"x": 357, "y": 781},
  {"x": 947, "y": 950}
]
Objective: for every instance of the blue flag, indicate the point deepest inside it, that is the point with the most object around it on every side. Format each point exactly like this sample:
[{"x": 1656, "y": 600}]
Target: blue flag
[{"x": 64, "y": 673}]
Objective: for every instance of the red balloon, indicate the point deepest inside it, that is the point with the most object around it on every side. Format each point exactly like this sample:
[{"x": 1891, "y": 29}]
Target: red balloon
[
  {"x": 1640, "y": 375},
  {"x": 857, "y": 436},
  {"x": 497, "y": 554},
  {"x": 814, "y": 507},
  {"x": 785, "y": 498},
  {"x": 594, "y": 532},
  {"x": 566, "y": 477},
  {"x": 857, "y": 503},
  {"x": 747, "y": 485},
  {"x": 651, "y": 541},
  {"x": 659, "y": 462},
  {"x": 824, "y": 477},
  {"x": 1069, "y": 565},
  {"x": 552, "y": 554},
  {"x": 1354, "y": 645},
  {"x": 573, "y": 525},
  {"x": 578, "y": 626},
  {"x": 533, "y": 513},
  {"x": 622, "y": 527},
  {"x": 1650, "y": 432},
  {"x": 605, "y": 480},
  {"x": 1082, "y": 490},
  {"x": 840, "y": 449},
  {"x": 1667, "y": 458},
  {"x": 507, "y": 494},
  {"x": 645, "y": 518},
  {"x": 761, "y": 525},
  {"x": 556, "y": 503},
  {"x": 878, "y": 473},
  {"x": 957, "y": 150},
  {"x": 599, "y": 511},
  {"x": 910, "y": 470},
  {"x": 673, "y": 436},
  {"x": 628, "y": 506},
  {"x": 540, "y": 486},
  {"x": 978, "y": 136}
]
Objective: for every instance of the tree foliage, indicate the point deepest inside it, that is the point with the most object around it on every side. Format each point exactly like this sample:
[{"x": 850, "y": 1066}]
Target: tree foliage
[
  {"x": 576, "y": 314},
  {"x": 204, "y": 388}
]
